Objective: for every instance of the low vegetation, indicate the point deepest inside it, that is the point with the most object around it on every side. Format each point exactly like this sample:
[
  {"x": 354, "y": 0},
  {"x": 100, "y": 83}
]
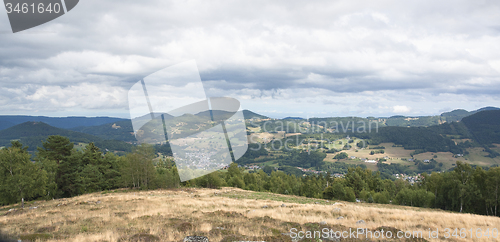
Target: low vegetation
[{"x": 226, "y": 214}]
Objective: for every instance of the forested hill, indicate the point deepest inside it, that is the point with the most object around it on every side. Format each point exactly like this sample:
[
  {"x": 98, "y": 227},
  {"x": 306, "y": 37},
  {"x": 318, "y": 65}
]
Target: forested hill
[
  {"x": 250, "y": 115},
  {"x": 121, "y": 130},
  {"x": 422, "y": 139},
  {"x": 33, "y": 133},
  {"x": 7, "y": 121},
  {"x": 484, "y": 126},
  {"x": 459, "y": 114},
  {"x": 30, "y": 129}
]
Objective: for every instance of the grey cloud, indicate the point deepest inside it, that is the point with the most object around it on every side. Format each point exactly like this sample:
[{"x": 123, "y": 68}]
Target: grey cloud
[{"x": 339, "y": 47}]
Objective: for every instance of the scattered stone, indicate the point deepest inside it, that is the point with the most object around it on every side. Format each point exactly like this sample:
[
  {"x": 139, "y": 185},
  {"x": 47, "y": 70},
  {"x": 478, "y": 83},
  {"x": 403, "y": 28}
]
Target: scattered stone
[
  {"x": 316, "y": 202},
  {"x": 33, "y": 207},
  {"x": 283, "y": 205},
  {"x": 336, "y": 209},
  {"x": 337, "y": 203},
  {"x": 265, "y": 206},
  {"x": 340, "y": 217},
  {"x": 98, "y": 202},
  {"x": 361, "y": 222},
  {"x": 220, "y": 228},
  {"x": 12, "y": 209},
  {"x": 195, "y": 239},
  {"x": 322, "y": 223}
]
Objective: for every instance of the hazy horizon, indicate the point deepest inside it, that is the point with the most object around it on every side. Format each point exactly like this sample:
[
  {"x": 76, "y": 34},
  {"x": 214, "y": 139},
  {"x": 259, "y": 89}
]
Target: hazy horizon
[{"x": 270, "y": 115}]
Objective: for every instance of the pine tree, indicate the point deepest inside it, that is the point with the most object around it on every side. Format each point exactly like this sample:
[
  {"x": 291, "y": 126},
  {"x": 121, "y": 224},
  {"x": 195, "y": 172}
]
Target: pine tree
[{"x": 54, "y": 152}]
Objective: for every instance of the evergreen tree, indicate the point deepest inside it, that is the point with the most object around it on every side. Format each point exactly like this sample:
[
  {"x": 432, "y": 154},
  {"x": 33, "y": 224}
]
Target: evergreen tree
[{"x": 53, "y": 157}]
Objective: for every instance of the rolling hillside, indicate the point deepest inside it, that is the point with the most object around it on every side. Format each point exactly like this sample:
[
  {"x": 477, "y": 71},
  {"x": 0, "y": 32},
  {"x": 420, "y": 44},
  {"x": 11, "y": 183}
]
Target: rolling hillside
[
  {"x": 422, "y": 121},
  {"x": 484, "y": 126},
  {"x": 227, "y": 214},
  {"x": 121, "y": 130},
  {"x": 459, "y": 114},
  {"x": 249, "y": 115}
]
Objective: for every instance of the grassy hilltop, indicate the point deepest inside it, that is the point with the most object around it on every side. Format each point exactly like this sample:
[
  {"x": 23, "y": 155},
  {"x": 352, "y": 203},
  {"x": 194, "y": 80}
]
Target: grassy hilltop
[{"x": 227, "y": 214}]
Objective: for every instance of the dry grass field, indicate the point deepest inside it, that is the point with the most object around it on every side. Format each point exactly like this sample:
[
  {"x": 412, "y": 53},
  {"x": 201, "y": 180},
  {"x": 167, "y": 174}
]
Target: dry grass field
[
  {"x": 389, "y": 151},
  {"x": 477, "y": 156},
  {"x": 228, "y": 214},
  {"x": 447, "y": 158},
  {"x": 395, "y": 155},
  {"x": 264, "y": 137}
]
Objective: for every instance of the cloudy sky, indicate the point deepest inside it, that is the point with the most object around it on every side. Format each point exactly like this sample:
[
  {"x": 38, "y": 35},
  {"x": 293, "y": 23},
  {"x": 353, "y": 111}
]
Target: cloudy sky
[{"x": 279, "y": 58}]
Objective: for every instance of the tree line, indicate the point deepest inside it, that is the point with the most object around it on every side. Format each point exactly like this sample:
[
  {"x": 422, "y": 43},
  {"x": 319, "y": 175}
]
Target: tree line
[{"x": 58, "y": 170}]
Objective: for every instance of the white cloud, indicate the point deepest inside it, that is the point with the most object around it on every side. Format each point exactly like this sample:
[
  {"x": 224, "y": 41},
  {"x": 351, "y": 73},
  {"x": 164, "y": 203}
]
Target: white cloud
[
  {"x": 263, "y": 51},
  {"x": 400, "y": 109},
  {"x": 84, "y": 96}
]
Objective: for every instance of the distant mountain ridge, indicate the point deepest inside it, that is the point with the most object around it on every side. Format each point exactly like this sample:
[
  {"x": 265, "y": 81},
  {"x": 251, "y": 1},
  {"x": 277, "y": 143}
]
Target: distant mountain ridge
[
  {"x": 31, "y": 129},
  {"x": 459, "y": 114},
  {"x": 250, "y": 115},
  {"x": 7, "y": 121},
  {"x": 123, "y": 130},
  {"x": 295, "y": 118},
  {"x": 483, "y": 125}
]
